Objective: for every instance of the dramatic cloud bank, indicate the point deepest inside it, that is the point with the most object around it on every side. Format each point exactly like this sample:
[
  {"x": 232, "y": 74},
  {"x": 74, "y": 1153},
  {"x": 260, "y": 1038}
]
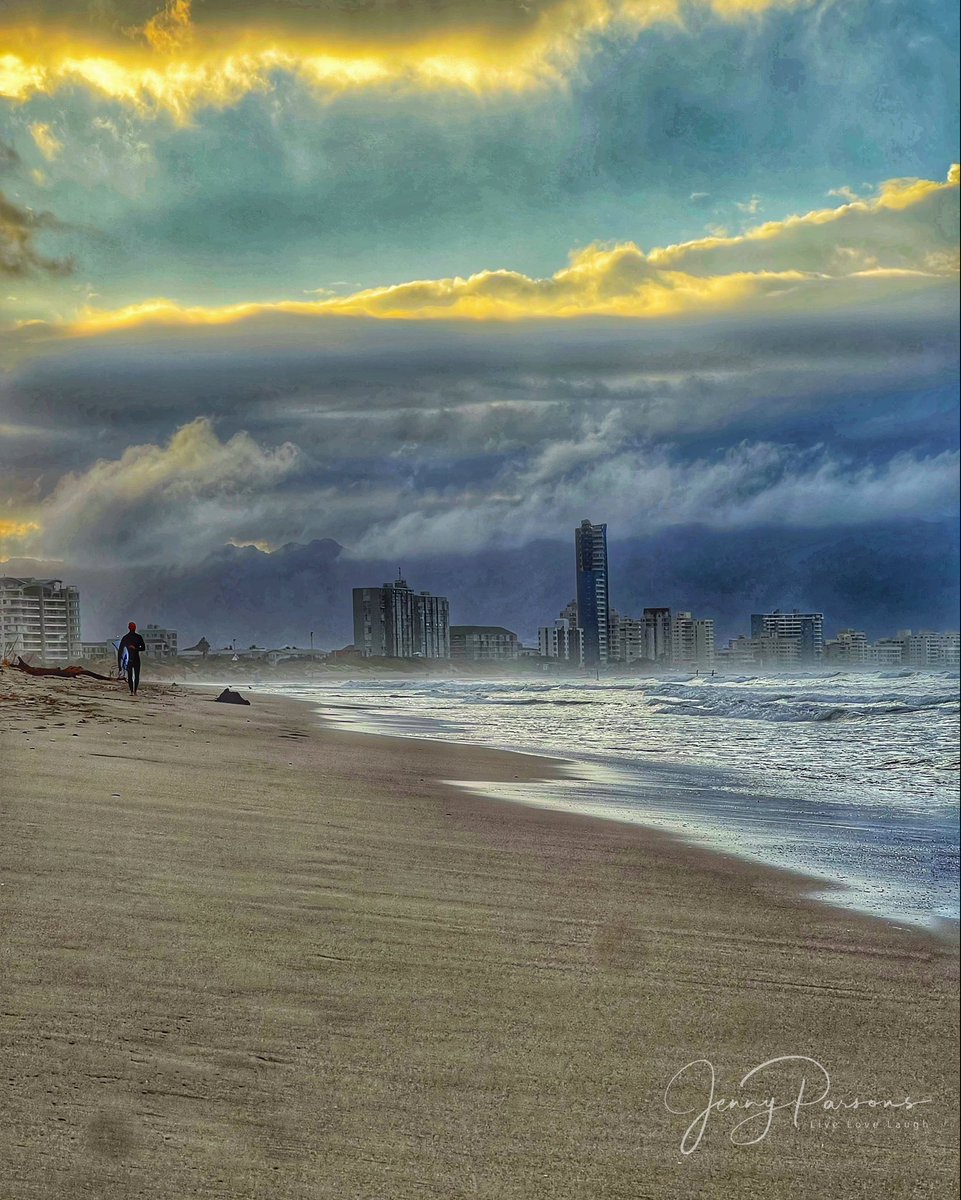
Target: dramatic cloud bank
[
  {"x": 176, "y": 57},
  {"x": 144, "y": 503},
  {"x": 295, "y": 289},
  {"x": 459, "y": 446},
  {"x": 900, "y": 241}
]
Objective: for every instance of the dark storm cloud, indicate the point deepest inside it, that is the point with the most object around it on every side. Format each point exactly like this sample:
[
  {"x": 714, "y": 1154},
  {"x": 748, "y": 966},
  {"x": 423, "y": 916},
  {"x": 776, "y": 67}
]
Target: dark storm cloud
[
  {"x": 20, "y": 229},
  {"x": 403, "y": 393},
  {"x": 458, "y": 441},
  {"x": 9, "y": 158}
]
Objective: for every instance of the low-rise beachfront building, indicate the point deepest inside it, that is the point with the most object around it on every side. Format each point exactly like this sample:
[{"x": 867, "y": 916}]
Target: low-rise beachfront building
[
  {"x": 91, "y": 651},
  {"x": 483, "y": 643},
  {"x": 740, "y": 652},
  {"x": 39, "y": 617},
  {"x": 924, "y": 651},
  {"x": 768, "y": 651},
  {"x": 778, "y": 651},
  {"x": 160, "y": 643}
]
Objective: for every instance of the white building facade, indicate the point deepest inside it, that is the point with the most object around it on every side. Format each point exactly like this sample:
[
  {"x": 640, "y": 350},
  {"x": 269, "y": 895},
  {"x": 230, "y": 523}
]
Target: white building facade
[
  {"x": 564, "y": 641},
  {"x": 692, "y": 641},
  {"x": 806, "y": 628},
  {"x": 39, "y": 617},
  {"x": 160, "y": 643}
]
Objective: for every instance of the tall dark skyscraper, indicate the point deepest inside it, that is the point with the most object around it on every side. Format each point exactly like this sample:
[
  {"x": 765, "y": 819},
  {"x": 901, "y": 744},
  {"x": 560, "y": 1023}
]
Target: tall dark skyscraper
[{"x": 590, "y": 542}]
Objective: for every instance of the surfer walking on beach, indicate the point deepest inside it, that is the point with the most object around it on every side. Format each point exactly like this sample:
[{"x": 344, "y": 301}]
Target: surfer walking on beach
[{"x": 131, "y": 646}]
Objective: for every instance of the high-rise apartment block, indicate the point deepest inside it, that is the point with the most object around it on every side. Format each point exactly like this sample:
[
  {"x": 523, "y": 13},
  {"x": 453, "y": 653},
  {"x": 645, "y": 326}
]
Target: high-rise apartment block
[
  {"x": 806, "y": 629},
  {"x": 431, "y": 626},
  {"x": 395, "y": 622},
  {"x": 39, "y": 617},
  {"x": 657, "y": 634},
  {"x": 692, "y": 641},
  {"x": 625, "y": 638},
  {"x": 590, "y": 543}
]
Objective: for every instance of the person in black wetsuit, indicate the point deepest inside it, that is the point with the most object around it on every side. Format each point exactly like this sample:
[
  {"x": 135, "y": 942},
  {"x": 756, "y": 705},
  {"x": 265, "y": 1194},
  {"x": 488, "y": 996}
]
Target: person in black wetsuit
[{"x": 134, "y": 645}]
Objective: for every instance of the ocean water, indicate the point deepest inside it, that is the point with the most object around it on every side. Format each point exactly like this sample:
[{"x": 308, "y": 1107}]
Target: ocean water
[{"x": 850, "y": 778}]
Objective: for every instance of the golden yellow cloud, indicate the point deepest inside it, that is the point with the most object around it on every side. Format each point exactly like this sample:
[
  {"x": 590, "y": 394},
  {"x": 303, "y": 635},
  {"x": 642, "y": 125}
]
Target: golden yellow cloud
[
  {"x": 169, "y": 30},
  {"x": 19, "y": 531},
  {"x": 182, "y": 58},
  {"x": 903, "y": 239},
  {"x": 46, "y": 140}
]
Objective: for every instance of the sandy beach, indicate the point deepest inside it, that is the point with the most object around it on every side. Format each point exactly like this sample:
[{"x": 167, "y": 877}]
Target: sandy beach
[{"x": 244, "y": 955}]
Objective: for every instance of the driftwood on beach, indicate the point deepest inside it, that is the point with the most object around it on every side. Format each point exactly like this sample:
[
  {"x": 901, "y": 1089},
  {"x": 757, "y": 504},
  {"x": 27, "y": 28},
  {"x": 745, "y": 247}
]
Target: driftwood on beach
[{"x": 57, "y": 672}]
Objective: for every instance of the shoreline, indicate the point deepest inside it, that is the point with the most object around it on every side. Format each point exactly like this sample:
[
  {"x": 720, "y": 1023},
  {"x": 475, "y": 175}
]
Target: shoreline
[
  {"x": 249, "y": 954},
  {"x": 570, "y": 774}
]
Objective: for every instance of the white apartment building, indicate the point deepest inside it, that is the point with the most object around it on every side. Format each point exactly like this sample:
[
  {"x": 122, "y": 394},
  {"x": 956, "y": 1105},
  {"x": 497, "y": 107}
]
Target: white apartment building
[
  {"x": 927, "y": 651},
  {"x": 632, "y": 639},
  {"x": 768, "y": 650},
  {"x": 692, "y": 642},
  {"x": 657, "y": 634},
  {"x": 39, "y": 617},
  {"x": 160, "y": 643},
  {"x": 851, "y": 648},
  {"x": 564, "y": 642},
  {"x": 807, "y": 628},
  {"x": 889, "y": 652},
  {"x": 483, "y": 643}
]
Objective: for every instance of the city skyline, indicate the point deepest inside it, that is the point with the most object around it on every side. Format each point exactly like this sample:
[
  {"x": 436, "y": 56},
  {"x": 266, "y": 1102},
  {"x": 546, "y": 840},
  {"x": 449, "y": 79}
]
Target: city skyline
[
  {"x": 394, "y": 621},
  {"x": 736, "y": 625}
]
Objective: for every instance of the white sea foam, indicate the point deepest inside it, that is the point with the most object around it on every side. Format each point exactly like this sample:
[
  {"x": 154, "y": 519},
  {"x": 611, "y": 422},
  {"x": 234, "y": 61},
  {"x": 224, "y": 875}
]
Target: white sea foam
[{"x": 850, "y": 777}]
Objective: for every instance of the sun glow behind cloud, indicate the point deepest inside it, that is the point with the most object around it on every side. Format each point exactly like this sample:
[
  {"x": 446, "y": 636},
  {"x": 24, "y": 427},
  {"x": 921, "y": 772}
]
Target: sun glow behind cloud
[
  {"x": 176, "y": 62},
  {"x": 902, "y": 240}
]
